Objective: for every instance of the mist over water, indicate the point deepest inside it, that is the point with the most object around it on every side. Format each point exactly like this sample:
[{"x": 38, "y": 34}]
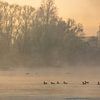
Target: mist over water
[
  {"x": 20, "y": 84},
  {"x": 44, "y": 57}
]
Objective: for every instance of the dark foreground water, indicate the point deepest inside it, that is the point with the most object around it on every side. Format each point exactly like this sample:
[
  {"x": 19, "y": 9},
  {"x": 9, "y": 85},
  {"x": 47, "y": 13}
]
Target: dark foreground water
[{"x": 43, "y": 98}]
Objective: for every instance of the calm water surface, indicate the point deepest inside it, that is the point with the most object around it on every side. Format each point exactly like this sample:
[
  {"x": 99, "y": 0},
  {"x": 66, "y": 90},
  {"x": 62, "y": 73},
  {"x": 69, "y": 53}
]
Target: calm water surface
[{"x": 28, "y": 84}]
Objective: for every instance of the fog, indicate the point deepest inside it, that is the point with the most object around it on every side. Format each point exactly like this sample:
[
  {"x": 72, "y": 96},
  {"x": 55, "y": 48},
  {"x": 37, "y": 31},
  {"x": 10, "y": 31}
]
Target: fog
[
  {"x": 43, "y": 56},
  {"x": 23, "y": 82}
]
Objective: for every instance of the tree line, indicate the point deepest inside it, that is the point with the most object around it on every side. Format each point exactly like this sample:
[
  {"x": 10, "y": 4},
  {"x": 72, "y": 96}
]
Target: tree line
[{"x": 40, "y": 35}]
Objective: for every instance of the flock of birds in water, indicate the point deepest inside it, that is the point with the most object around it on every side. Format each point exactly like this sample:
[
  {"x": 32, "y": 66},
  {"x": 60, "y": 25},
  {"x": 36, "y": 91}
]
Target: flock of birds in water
[{"x": 64, "y": 82}]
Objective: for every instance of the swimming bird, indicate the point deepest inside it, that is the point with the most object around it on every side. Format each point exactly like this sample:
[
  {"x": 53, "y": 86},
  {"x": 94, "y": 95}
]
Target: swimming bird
[
  {"x": 98, "y": 83},
  {"x": 64, "y": 82},
  {"x": 85, "y": 82},
  {"x": 52, "y": 82},
  {"x": 58, "y": 82},
  {"x": 45, "y": 83}
]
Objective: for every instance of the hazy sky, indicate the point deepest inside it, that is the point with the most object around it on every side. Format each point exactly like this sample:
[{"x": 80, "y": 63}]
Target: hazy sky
[{"x": 83, "y": 11}]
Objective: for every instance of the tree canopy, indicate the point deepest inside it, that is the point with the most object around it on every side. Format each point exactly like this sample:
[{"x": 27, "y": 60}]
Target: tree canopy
[{"x": 41, "y": 35}]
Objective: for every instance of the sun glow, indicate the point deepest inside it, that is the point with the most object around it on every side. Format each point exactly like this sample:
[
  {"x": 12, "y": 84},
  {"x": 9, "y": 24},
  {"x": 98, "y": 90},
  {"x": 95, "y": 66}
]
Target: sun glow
[{"x": 83, "y": 11}]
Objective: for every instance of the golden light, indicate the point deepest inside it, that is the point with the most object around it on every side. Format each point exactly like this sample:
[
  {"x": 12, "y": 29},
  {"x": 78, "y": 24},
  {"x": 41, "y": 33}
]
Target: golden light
[{"x": 83, "y": 11}]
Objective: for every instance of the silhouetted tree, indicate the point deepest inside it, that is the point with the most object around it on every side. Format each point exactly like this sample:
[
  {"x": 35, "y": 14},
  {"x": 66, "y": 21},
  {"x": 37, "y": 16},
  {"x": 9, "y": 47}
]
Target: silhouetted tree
[
  {"x": 41, "y": 34},
  {"x": 45, "y": 25}
]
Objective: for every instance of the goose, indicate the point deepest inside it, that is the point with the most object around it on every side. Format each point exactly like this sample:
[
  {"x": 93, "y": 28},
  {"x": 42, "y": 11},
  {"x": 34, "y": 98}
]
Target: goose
[
  {"x": 85, "y": 82},
  {"x": 98, "y": 83},
  {"x": 58, "y": 82},
  {"x": 52, "y": 82},
  {"x": 65, "y": 82},
  {"x": 45, "y": 83}
]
